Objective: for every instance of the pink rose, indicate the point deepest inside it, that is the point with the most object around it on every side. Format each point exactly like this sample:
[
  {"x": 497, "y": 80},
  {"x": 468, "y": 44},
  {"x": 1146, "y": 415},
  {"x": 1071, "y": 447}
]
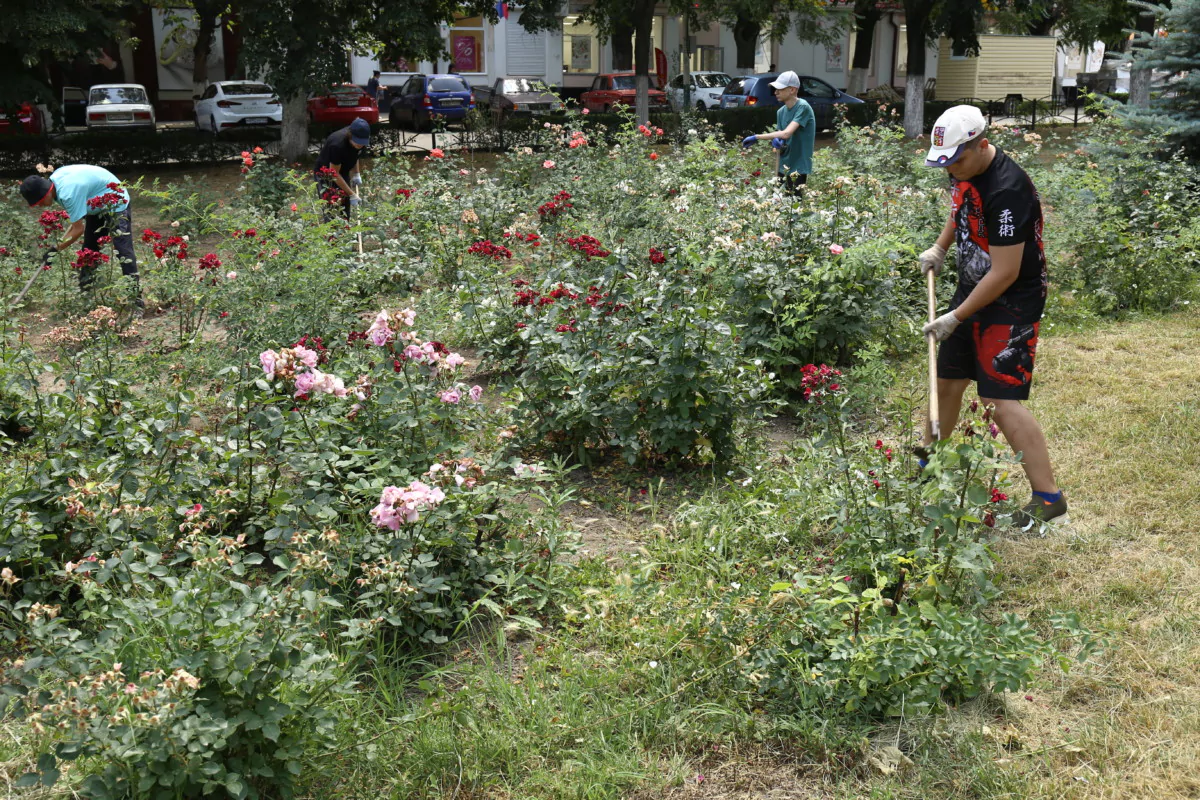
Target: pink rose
[
  {"x": 548, "y": 164},
  {"x": 585, "y": 111},
  {"x": 414, "y": 353},
  {"x": 267, "y": 358},
  {"x": 436, "y": 153},
  {"x": 305, "y": 382},
  {"x": 836, "y": 249},
  {"x": 305, "y": 356},
  {"x": 454, "y": 360},
  {"x": 451, "y": 396},
  {"x": 476, "y": 393}
]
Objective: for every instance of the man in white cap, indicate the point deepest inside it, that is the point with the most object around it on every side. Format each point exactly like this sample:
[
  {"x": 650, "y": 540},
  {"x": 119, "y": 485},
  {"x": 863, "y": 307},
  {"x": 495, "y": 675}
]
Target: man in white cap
[
  {"x": 795, "y": 135},
  {"x": 990, "y": 333}
]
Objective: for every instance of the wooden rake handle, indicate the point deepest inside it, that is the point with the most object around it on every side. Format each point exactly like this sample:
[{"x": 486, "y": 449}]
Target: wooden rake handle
[{"x": 935, "y": 424}]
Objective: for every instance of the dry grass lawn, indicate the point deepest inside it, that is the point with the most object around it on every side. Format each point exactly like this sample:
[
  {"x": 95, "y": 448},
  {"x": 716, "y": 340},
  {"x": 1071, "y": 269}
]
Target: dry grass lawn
[{"x": 1121, "y": 408}]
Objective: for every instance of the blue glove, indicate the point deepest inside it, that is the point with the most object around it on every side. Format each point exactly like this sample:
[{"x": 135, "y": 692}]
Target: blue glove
[
  {"x": 356, "y": 180},
  {"x": 749, "y": 141},
  {"x": 778, "y": 143},
  {"x": 355, "y": 200}
]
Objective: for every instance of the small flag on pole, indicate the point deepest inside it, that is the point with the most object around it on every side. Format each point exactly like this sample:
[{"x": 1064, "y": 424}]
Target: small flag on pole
[{"x": 502, "y": 9}]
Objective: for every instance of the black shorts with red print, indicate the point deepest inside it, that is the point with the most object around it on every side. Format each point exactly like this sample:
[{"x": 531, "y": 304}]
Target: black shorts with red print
[{"x": 999, "y": 358}]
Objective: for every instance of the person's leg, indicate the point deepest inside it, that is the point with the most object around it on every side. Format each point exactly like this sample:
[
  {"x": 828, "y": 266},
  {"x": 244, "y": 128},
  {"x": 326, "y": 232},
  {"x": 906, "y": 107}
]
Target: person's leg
[
  {"x": 120, "y": 228},
  {"x": 93, "y": 229},
  {"x": 956, "y": 371},
  {"x": 1025, "y": 436}
]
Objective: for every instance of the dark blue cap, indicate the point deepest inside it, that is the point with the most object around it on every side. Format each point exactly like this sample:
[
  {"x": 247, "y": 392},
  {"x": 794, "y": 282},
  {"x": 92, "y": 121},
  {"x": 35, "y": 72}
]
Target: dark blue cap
[{"x": 360, "y": 132}]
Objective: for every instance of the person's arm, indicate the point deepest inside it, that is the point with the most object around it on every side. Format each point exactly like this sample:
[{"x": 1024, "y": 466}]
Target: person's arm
[
  {"x": 786, "y": 133},
  {"x": 946, "y": 237},
  {"x": 70, "y": 235},
  {"x": 1006, "y": 267},
  {"x": 339, "y": 180}
]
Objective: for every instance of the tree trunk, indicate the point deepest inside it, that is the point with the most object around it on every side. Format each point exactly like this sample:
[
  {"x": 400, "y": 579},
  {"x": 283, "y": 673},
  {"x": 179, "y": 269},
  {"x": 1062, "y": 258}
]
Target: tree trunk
[
  {"x": 206, "y": 27},
  {"x": 745, "y": 37},
  {"x": 622, "y": 47},
  {"x": 914, "y": 85},
  {"x": 867, "y": 15},
  {"x": 1139, "y": 79},
  {"x": 643, "y": 58},
  {"x": 294, "y": 131}
]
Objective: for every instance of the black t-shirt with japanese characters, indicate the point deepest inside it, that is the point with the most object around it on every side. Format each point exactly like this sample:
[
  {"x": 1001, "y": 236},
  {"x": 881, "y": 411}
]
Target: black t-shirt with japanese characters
[{"x": 1000, "y": 207}]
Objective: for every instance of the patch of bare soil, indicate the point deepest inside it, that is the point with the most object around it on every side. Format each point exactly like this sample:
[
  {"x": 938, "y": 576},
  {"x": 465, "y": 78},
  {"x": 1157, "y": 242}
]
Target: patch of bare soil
[
  {"x": 741, "y": 775},
  {"x": 604, "y": 535}
]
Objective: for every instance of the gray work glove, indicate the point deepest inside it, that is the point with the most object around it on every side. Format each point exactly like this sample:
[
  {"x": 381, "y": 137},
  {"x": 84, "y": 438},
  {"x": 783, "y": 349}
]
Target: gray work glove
[
  {"x": 355, "y": 200},
  {"x": 356, "y": 180},
  {"x": 932, "y": 259},
  {"x": 942, "y": 327}
]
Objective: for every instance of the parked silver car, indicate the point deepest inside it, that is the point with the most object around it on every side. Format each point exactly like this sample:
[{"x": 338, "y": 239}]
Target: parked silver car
[{"x": 119, "y": 105}]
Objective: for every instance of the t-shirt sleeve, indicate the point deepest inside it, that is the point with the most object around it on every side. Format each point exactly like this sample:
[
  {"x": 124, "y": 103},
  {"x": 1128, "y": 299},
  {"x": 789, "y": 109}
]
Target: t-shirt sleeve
[
  {"x": 804, "y": 115},
  {"x": 1008, "y": 215}
]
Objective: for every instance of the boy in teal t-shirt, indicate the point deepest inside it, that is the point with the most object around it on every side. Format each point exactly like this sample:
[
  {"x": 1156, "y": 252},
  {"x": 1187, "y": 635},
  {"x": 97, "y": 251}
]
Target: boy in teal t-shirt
[{"x": 796, "y": 135}]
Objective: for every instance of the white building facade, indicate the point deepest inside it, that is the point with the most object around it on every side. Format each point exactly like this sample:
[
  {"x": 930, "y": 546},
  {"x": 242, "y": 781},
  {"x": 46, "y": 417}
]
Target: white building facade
[{"x": 571, "y": 56}]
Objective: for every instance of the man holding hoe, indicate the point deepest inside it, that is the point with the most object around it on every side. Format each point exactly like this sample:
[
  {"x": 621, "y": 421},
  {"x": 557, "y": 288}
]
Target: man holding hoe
[
  {"x": 990, "y": 333},
  {"x": 98, "y": 206}
]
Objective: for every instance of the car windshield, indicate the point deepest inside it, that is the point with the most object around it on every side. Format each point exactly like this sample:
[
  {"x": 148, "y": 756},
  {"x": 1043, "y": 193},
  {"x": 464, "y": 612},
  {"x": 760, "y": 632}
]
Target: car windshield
[
  {"x": 247, "y": 88},
  {"x": 524, "y": 86},
  {"x": 116, "y": 94},
  {"x": 735, "y": 86},
  {"x": 624, "y": 82},
  {"x": 712, "y": 81},
  {"x": 447, "y": 85}
]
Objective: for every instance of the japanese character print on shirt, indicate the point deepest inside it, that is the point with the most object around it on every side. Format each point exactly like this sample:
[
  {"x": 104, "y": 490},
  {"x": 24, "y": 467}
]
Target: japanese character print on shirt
[{"x": 999, "y": 208}]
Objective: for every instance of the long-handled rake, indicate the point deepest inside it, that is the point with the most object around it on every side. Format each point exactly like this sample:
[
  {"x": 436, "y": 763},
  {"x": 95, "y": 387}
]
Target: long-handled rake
[
  {"x": 24, "y": 291},
  {"x": 935, "y": 424}
]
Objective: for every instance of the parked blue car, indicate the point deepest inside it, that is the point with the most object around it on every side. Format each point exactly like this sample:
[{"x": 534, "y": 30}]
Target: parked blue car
[
  {"x": 423, "y": 98},
  {"x": 754, "y": 91}
]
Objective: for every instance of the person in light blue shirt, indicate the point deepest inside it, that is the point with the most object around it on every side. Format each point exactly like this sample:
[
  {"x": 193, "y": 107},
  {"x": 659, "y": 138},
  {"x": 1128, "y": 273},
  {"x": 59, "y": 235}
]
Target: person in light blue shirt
[
  {"x": 97, "y": 205},
  {"x": 795, "y": 135}
]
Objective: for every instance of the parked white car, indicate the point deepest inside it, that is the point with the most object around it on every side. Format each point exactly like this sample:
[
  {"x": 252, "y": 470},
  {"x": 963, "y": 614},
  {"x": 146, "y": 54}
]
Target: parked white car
[
  {"x": 706, "y": 88},
  {"x": 119, "y": 105},
  {"x": 229, "y": 104}
]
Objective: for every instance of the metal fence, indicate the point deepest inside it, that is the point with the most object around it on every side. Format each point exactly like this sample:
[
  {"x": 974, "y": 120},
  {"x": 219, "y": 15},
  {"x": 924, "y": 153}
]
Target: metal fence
[{"x": 1014, "y": 109}]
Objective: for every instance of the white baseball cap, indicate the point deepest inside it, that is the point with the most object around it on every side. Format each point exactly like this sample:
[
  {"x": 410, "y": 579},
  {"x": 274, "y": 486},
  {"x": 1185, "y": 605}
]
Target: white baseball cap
[
  {"x": 953, "y": 129},
  {"x": 788, "y": 78}
]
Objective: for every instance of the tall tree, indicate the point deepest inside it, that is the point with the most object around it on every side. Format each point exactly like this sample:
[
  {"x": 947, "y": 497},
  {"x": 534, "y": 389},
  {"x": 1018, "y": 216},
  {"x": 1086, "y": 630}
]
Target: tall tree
[
  {"x": 37, "y": 35},
  {"x": 618, "y": 22},
  {"x": 866, "y": 15},
  {"x": 1177, "y": 53},
  {"x": 192, "y": 27},
  {"x": 750, "y": 20},
  {"x": 302, "y": 45},
  {"x": 926, "y": 20}
]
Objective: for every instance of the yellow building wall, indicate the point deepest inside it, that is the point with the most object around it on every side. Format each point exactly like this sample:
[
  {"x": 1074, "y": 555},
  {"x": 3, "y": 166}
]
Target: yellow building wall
[
  {"x": 955, "y": 76},
  {"x": 1006, "y": 65}
]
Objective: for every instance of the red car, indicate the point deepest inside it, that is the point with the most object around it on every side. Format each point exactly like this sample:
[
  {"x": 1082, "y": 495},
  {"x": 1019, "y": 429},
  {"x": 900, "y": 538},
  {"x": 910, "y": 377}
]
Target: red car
[
  {"x": 620, "y": 89},
  {"x": 25, "y": 118},
  {"x": 341, "y": 105}
]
